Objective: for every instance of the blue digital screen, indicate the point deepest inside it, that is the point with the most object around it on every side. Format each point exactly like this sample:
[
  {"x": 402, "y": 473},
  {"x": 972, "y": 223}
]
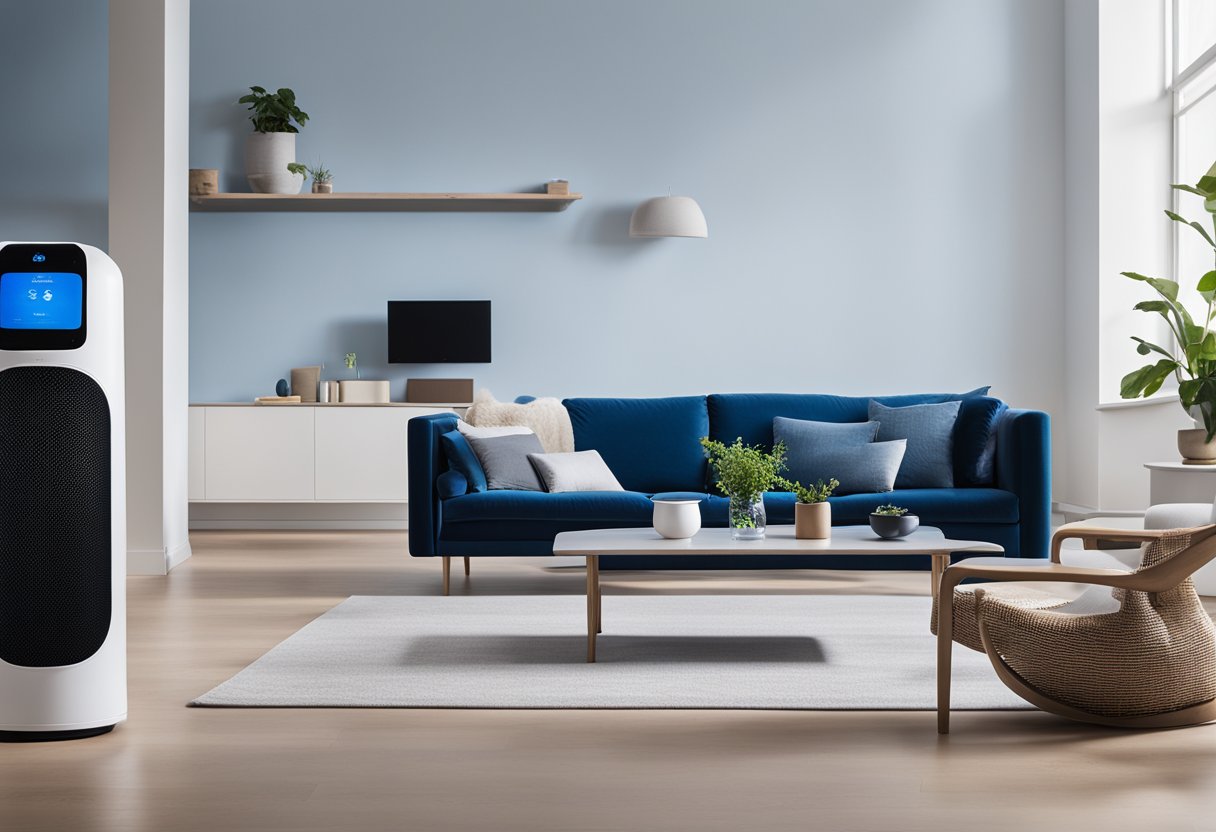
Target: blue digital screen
[{"x": 41, "y": 300}]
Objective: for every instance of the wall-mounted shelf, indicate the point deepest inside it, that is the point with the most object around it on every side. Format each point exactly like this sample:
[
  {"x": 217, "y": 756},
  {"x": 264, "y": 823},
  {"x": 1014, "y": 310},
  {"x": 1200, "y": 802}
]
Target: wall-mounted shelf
[{"x": 383, "y": 202}]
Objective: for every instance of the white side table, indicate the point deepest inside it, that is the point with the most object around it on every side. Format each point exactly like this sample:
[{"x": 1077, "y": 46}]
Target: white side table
[{"x": 1173, "y": 482}]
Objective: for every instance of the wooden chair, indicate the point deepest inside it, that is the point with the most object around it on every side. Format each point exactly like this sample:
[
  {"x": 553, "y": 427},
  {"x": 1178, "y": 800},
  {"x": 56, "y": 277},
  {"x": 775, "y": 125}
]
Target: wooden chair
[{"x": 1137, "y": 650}]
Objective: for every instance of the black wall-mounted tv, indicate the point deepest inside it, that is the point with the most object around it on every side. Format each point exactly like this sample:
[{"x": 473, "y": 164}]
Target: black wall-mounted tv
[{"x": 439, "y": 332}]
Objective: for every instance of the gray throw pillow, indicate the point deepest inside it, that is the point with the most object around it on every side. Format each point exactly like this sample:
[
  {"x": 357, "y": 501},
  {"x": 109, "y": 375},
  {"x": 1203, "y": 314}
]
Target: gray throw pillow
[
  {"x": 505, "y": 461},
  {"x": 929, "y": 429},
  {"x": 577, "y": 471},
  {"x": 845, "y": 450},
  {"x": 809, "y": 446}
]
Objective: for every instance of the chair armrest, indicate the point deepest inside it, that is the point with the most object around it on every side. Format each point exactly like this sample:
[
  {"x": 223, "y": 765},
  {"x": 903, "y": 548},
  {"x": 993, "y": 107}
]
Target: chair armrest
[
  {"x": 1033, "y": 569},
  {"x": 1092, "y": 534}
]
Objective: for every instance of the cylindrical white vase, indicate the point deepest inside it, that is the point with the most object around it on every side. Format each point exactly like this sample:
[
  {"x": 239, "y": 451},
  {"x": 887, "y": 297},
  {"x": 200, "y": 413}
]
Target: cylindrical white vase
[{"x": 270, "y": 154}]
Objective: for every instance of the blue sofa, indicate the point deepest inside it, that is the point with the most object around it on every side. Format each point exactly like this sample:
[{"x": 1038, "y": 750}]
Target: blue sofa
[{"x": 652, "y": 447}]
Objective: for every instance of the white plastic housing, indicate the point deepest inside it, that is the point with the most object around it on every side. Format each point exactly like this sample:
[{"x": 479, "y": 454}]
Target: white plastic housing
[{"x": 92, "y": 693}]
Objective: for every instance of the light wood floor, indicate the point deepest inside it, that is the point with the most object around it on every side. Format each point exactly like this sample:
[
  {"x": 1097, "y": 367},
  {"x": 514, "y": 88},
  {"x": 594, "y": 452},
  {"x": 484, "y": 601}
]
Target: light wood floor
[{"x": 177, "y": 768}]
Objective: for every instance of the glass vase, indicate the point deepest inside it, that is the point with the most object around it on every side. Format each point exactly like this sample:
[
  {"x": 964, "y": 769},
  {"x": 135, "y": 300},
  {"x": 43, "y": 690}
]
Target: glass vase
[{"x": 746, "y": 518}]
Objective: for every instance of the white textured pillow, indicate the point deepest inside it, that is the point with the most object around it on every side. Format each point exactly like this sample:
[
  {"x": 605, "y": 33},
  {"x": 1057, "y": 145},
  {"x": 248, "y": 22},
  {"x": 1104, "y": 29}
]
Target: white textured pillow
[
  {"x": 547, "y": 417},
  {"x": 489, "y": 433},
  {"x": 577, "y": 471}
]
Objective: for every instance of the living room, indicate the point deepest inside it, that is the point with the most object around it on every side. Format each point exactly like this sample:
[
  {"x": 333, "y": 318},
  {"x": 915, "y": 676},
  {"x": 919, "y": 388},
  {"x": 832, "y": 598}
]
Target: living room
[{"x": 569, "y": 415}]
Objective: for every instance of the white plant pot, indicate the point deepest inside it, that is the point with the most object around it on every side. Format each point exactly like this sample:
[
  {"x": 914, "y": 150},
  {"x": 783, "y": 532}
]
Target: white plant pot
[
  {"x": 677, "y": 519},
  {"x": 276, "y": 183},
  {"x": 270, "y": 153}
]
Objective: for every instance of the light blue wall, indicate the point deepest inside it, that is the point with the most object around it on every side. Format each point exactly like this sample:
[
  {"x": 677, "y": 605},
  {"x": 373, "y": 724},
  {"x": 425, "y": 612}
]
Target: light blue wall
[
  {"x": 54, "y": 139},
  {"x": 882, "y": 182}
]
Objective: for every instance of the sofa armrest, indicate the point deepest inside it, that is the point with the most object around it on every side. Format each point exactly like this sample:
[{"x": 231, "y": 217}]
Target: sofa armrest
[
  {"x": 1023, "y": 466},
  {"x": 426, "y": 462}
]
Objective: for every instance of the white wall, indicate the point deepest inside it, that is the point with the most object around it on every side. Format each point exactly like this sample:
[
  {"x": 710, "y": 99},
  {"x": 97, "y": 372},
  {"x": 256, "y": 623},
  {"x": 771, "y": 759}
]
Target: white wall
[
  {"x": 149, "y": 84},
  {"x": 1118, "y": 162},
  {"x": 882, "y": 182}
]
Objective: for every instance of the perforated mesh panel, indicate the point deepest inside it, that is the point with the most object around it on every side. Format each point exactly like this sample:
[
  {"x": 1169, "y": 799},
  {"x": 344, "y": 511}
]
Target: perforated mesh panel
[{"x": 54, "y": 516}]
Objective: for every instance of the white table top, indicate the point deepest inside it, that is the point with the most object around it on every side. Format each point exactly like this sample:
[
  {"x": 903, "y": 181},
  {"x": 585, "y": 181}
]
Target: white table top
[
  {"x": 1176, "y": 465},
  {"x": 778, "y": 540}
]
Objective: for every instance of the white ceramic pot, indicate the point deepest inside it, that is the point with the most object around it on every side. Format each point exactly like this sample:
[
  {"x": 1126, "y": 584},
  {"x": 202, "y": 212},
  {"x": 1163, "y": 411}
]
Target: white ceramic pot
[
  {"x": 1195, "y": 448},
  {"x": 677, "y": 519},
  {"x": 276, "y": 183},
  {"x": 270, "y": 153}
]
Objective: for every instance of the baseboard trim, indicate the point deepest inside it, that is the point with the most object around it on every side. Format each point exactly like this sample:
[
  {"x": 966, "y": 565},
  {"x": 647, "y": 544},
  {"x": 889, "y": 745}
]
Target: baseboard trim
[
  {"x": 1084, "y": 512},
  {"x": 299, "y": 525}
]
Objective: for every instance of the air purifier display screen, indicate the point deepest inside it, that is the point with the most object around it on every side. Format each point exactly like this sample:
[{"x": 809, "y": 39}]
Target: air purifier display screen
[{"x": 41, "y": 300}]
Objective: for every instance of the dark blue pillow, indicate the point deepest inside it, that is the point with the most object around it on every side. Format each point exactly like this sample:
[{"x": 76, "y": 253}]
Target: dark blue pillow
[
  {"x": 451, "y": 484},
  {"x": 975, "y": 440},
  {"x": 461, "y": 458}
]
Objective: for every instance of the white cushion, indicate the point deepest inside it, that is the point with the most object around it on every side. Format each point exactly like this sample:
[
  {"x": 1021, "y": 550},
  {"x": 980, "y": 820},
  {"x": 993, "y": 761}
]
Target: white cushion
[
  {"x": 1178, "y": 515},
  {"x": 547, "y": 417},
  {"x": 489, "y": 433},
  {"x": 576, "y": 471}
]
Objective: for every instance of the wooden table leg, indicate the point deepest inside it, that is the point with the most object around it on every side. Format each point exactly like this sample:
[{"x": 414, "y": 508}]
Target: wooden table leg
[
  {"x": 593, "y": 591},
  {"x": 599, "y": 598},
  {"x": 945, "y": 652},
  {"x": 940, "y": 562}
]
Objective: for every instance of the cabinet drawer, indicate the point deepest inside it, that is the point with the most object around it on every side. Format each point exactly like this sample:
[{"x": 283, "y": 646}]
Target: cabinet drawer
[{"x": 361, "y": 453}]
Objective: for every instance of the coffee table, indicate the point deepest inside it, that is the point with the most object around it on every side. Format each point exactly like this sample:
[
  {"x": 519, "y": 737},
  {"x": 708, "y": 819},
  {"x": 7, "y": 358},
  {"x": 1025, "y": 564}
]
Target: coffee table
[{"x": 778, "y": 540}]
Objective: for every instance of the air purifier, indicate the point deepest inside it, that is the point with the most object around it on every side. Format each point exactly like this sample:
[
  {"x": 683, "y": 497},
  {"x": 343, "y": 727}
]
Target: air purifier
[{"x": 62, "y": 493}]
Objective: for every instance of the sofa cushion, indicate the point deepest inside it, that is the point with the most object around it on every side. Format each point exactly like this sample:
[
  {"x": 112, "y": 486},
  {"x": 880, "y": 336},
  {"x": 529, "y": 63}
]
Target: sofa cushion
[
  {"x": 933, "y": 506},
  {"x": 531, "y": 515},
  {"x": 975, "y": 440},
  {"x": 505, "y": 461},
  {"x": 750, "y": 415},
  {"x": 929, "y": 429},
  {"x": 461, "y": 458},
  {"x": 649, "y": 444},
  {"x": 575, "y": 471}
]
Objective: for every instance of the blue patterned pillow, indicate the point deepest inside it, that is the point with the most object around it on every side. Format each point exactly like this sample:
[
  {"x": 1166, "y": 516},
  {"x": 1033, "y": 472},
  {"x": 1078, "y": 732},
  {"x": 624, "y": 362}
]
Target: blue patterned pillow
[{"x": 929, "y": 428}]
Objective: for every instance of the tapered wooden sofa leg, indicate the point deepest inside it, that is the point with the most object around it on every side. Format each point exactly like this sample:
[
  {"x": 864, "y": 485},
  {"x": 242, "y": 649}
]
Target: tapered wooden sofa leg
[
  {"x": 466, "y": 567},
  {"x": 447, "y": 574}
]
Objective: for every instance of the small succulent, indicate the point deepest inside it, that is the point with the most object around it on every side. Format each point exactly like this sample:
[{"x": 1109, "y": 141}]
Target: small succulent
[
  {"x": 318, "y": 173},
  {"x": 817, "y": 493},
  {"x": 891, "y": 511}
]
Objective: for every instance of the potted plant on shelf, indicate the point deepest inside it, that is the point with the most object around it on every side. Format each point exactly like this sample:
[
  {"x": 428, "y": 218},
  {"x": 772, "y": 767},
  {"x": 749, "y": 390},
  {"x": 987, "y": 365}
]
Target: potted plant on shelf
[
  {"x": 893, "y": 521},
  {"x": 272, "y": 145},
  {"x": 322, "y": 178},
  {"x": 1191, "y": 357},
  {"x": 744, "y": 473},
  {"x": 812, "y": 512}
]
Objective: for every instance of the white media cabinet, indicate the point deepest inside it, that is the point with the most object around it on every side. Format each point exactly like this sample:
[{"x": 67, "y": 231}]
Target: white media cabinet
[{"x": 309, "y": 459}]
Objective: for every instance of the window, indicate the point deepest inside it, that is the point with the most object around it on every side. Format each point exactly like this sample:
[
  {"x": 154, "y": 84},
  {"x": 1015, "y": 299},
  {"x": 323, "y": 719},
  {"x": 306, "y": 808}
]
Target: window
[{"x": 1193, "y": 82}]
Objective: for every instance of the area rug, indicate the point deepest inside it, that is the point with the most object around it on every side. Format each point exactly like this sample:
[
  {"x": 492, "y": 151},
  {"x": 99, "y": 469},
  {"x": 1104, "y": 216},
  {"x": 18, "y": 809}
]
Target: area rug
[{"x": 802, "y": 652}]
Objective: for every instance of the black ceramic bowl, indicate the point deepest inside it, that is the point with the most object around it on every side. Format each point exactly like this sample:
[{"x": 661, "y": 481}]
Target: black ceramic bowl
[{"x": 889, "y": 526}]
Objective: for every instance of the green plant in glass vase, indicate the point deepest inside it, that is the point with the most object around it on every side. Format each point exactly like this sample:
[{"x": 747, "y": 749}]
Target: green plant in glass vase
[
  {"x": 1191, "y": 358},
  {"x": 744, "y": 473}
]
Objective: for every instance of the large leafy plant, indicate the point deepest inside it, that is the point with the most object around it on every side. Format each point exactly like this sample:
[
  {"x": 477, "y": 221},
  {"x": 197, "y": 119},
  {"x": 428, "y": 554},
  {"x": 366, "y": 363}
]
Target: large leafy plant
[
  {"x": 744, "y": 472},
  {"x": 273, "y": 112},
  {"x": 1191, "y": 359}
]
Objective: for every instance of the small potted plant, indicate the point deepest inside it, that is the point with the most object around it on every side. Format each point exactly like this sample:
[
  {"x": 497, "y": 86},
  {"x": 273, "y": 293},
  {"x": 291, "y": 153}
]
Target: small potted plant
[
  {"x": 273, "y": 143},
  {"x": 744, "y": 473},
  {"x": 322, "y": 178},
  {"x": 893, "y": 521},
  {"x": 812, "y": 512}
]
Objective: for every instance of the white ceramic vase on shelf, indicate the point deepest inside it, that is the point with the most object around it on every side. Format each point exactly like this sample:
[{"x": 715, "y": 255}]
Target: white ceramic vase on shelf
[{"x": 267, "y": 156}]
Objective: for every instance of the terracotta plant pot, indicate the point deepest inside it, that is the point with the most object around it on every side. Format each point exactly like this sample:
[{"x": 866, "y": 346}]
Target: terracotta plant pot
[
  {"x": 812, "y": 521},
  {"x": 1194, "y": 447}
]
